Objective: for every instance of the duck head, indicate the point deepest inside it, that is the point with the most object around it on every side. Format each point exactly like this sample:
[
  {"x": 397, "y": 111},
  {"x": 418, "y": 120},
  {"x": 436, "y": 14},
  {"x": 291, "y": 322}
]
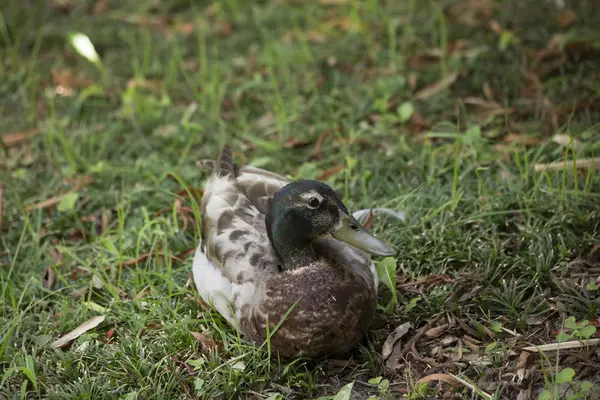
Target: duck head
[{"x": 306, "y": 210}]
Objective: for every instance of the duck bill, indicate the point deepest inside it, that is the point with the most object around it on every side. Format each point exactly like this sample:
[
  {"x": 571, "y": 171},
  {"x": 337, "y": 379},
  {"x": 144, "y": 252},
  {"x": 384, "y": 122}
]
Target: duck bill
[{"x": 349, "y": 230}]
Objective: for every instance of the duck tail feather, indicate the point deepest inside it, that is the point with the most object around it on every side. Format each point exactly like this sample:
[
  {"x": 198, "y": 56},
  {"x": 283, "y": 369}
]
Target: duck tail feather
[{"x": 224, "y": 165}]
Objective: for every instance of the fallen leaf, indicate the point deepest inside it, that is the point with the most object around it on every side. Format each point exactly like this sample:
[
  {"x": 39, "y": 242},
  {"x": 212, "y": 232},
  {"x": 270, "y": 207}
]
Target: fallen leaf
[
  {"x": 10, "y": 139},
  {"x": 224, "y": 29},
  {"x": 81, "y": 182},
  {"x": 449, "y": 379},
  {"x": 495, "y": 27},
  {"x": 521, "y": 139},
  {"x": 412, "y": 80},
  {"x": 206, "y": 343},
  {"x": 48, "y": 277},
  {"x": 151, "y": 84},
  {"x": 417, "y": 123},
  {"x": 166, "y": 130},
  {"x": 565, "y": 141},
  {"x": 566, "y": 18},
  {"x": 1, "y": 200},
  {"x": 522, "y": 365},
  {"x": 584, "y": 163},
  {"x": 436, "y": 331},
  {"x": 66, "y": 78},
  {"x": 316, "y": 37},
  {"x": 63, "y": 5},
  {"x": 80, "y": 330},
  {"x": 79, "y": 293},
  {"x": 330, "y": 172},
  {"x": 320, "y": 141},
  {"x": 101, "y": 6},
  {"x": 295, "y": 143},
  {"x": 142, "y": 293},
  {"x": 437, "y": 87},
  {"x": 471, "y": 12},
  {"x": 97, "y": 283},
  {"x": 334, "y": 2},
  {"x": 393, "y": 338},
  {"x": 110, "y": 333},
  {"x": 185, "y": 28}
]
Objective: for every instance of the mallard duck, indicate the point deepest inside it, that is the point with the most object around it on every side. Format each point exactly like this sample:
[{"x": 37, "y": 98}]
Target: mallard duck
[{"x": 285, "y": 253}]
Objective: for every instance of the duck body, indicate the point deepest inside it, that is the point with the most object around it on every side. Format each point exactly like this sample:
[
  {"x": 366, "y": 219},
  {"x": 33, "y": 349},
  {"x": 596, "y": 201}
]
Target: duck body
[{"x": 275, "y": 260}]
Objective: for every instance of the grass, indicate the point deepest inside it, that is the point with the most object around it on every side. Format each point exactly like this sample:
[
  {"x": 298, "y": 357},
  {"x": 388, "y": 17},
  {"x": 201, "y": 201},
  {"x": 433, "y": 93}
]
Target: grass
[{"x": 427, "y": 107}]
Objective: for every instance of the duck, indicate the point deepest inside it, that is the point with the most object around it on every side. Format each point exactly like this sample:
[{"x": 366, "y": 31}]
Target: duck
[{"x": 284, "y": 262}]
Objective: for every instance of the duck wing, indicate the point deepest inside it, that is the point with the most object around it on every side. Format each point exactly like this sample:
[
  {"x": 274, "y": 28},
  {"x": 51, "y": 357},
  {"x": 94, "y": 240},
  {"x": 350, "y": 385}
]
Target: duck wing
[{"x": 233, "y": 220}]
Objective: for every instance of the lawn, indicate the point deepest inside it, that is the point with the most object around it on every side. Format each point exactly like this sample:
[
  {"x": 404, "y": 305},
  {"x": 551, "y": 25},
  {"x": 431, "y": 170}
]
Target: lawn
[{"x": 478, "y": 119}]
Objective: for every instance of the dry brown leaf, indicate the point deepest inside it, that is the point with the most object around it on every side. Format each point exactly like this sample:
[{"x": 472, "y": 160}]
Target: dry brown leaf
[
  {"x": 46, "y": 203},
  {"x": 368, "y": 224},
  {"x": 566, "y": 18},
  {"x": 199, "y": 302},
  {"x": 316, "y": 37},
  {"x": 48, "y": 277},
  {"x": 330, "y": 172},
  {"x": 345, "y": 24},
  {"x": 79, "y": 293},
  {"x": 471, "y": 12},
  {"x": 153, "y": 84},
  {"x": 319, "y": 145},
  {"x": 142, "y": 293},
  {"x": 63, "y": 5},
  {"x": 417, "y": 123},
  {"x": 393, "y": 338},
  {"x": 495, "y": 27},
  {"x": 437, "y": 87},
  {"x": 521, "y": 139},
  {"x": 206, "y": 343},
  {"x": 66, "y": 78},
  {"x": 295, "y": 143},
  {"x": 449, "y": 379},
  {"x": 11, "y": 139},
  {"x": 487, "y": 91},
  {"x": 584, "y": 163},
  {"x": 185, "y": 28},
  {"x": 522, "y": 365},
  {"x": 80, "y": 330},
  {"x": 101, "y": 7},
  {"x": 436, "y": 331},
  {"x": 412, "y": 80},
  {"x": 224, "y": 29},
  {"x": 334, "y": 2},
  {"x": 1, "y": 200},
  {"x": 81, "y": 182}
]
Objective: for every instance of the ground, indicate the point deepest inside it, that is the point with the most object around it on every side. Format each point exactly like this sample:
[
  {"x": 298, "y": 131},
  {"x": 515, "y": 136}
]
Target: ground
[{"x": 450, "y": 111}]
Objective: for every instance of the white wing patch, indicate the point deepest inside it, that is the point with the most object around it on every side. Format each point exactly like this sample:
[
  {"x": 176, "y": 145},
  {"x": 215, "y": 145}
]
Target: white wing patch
[
  {"x": 218, "y": 291},
  {"x": 214, "y": 288}
]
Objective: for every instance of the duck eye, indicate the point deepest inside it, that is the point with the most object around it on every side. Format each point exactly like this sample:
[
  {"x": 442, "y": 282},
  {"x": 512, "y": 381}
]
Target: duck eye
[{"x": 313, "y": 202}]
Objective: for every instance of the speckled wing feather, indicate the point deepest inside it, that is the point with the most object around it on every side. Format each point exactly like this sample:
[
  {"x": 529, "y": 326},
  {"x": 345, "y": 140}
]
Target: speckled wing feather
[{"x": 233, "y": 220}]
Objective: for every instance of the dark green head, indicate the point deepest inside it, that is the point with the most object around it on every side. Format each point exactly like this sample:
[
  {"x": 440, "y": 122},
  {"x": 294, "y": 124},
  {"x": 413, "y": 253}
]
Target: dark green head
[{"x": 306, "y": 210}]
